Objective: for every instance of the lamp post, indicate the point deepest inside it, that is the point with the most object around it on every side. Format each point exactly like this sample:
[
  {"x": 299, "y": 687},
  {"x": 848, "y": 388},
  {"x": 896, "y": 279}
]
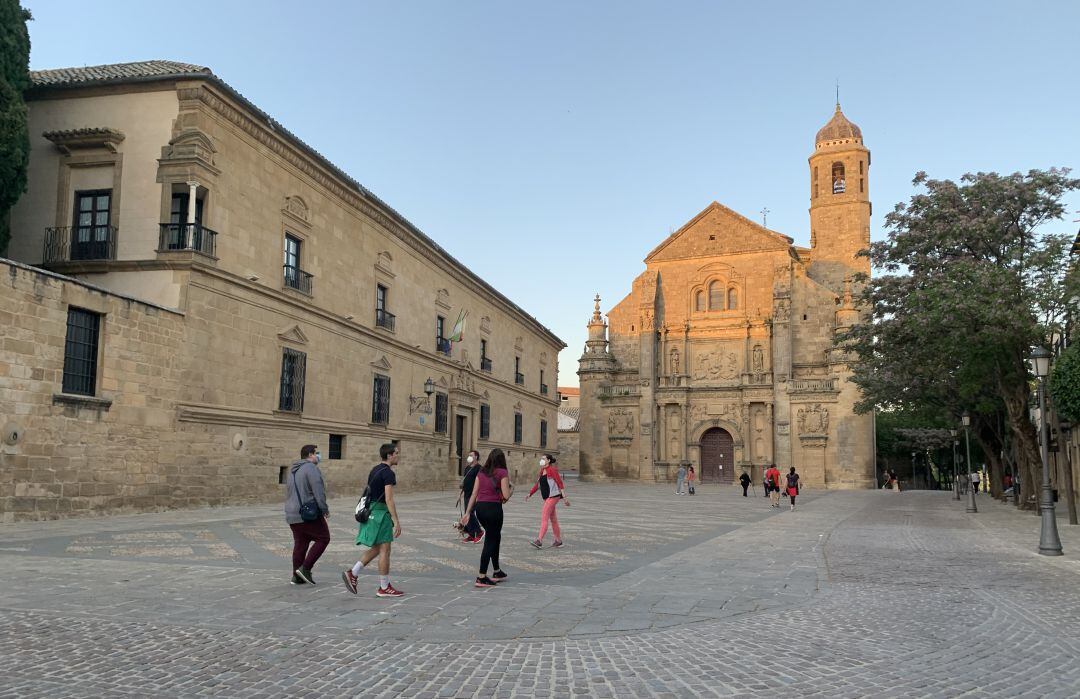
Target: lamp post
[
  {"x": 971, "y": 506},
  {"x": 955, "y": 470},
  {"x": 1049, "y": 543}
]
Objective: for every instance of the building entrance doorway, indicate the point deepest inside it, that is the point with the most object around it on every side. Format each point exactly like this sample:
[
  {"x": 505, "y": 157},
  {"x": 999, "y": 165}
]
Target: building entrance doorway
[
  {"x": 717, "y": 456},
  {"x": 459, "y": 442}
]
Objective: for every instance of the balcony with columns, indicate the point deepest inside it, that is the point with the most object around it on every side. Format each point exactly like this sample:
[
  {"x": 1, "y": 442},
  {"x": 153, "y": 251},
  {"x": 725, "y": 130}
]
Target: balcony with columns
[{"x": 185, "y": 232}]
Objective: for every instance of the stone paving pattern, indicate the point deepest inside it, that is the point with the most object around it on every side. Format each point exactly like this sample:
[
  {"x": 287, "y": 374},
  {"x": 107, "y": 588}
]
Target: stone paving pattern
[{"x": 854, "y": 594}]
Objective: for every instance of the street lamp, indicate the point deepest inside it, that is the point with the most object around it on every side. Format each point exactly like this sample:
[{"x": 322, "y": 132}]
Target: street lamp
[
  {"x": 429, "y": 387},
  {"x": 971, "y": 506},
  {"x": 1049, "y": 543},
  {"x": 955, "y": 470},
  {"x": 913, "y": 470}
]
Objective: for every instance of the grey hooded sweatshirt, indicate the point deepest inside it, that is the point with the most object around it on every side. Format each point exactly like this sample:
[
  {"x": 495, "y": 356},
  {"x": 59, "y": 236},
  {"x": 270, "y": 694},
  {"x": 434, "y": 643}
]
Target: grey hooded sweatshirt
[{"x": 309, "y": 481}]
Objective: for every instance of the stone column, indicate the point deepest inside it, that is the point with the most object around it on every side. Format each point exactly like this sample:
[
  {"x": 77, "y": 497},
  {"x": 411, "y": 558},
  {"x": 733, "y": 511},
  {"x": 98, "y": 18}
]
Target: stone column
[{"x": 189, "y": 232}]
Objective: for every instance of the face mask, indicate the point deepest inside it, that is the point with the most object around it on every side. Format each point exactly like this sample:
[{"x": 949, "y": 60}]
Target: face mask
[
  {"x": 543, "y": 462},
  {"x": 470, "y": 459},
  {"x": 318, "y": 457}
]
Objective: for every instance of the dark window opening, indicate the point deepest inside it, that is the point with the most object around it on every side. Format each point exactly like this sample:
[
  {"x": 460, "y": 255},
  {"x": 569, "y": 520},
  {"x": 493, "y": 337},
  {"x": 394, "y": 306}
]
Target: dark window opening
[
  {"x": 91, "y": 236},
  {"x": 485, "y": 421},
  {"x": 380, "y": 400},
  {"x": 337, "y": 446},
  {"x": 517, "y": 428},
  {"x": 543, "y": 433},
  {"x": 441, "y": 409},
  {"x": 293, "y": 374},
  {"x": 839, "y": 186},
  {"x": 81, "y": 352}
]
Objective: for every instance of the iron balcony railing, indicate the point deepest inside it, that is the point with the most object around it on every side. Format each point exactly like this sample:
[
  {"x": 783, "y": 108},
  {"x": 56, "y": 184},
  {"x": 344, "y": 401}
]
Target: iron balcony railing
[
  {"x": 385, "y": 319},
  {"x": 485, "y": 364},
  {"x": 188, "y": 236},
  {"x": 543, "y": 388},
  {"x": 519, "y": 378},
  {"x": 442, "y": 345},
  {"x": 70, "y": 243},
  {"x": 296, "y": 278}
]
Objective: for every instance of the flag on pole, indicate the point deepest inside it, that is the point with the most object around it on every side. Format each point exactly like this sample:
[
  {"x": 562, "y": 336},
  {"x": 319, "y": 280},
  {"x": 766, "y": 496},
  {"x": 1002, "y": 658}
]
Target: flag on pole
[{"x": 459, "y": 327}]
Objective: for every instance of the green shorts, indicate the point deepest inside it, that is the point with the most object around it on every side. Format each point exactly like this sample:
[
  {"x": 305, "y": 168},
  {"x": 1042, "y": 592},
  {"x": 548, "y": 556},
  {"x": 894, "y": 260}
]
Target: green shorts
[{"x": 379, "y": 529}]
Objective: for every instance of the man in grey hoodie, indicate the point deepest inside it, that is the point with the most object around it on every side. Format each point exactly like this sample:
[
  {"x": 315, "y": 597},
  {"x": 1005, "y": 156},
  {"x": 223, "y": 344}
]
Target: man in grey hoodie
[{"x": 304, "y": 483}]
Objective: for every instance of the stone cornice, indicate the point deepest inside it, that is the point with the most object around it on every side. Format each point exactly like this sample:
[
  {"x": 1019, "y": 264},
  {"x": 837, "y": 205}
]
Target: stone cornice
[{"x": 325, "y": 174}]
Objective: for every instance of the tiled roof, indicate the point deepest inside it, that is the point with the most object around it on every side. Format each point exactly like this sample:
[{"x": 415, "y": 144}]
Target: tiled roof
[
  {"x": 570, "y": 390},
  {"x": 115, "y": 72},
  {"x": 838, "y": 128},
  {"x": 572, "y": 413}
]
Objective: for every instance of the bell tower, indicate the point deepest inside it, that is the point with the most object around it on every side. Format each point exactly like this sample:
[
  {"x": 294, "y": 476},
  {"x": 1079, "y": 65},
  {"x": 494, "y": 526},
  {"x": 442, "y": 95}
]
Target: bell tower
[{"x": 839, "y": 203}]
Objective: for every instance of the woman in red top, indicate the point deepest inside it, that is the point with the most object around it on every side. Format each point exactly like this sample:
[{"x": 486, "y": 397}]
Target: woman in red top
[
  {"x": 552, "y": 490},
  {"x": 491, "y": 491}
]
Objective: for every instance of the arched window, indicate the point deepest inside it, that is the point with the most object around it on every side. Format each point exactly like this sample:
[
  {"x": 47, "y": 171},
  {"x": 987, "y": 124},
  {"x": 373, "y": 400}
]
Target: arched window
[
  {"x": 839, "y": 186},
  {"x": 699, "y": 301},
  {"x": 716, "y": 296},
  {"x": 732, "y": 299}
]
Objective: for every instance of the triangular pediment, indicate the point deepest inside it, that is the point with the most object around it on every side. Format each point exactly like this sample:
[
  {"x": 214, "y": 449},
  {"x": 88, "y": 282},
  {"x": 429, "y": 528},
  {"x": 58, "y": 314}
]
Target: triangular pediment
[
  {"x": 382, "y": 363},
  {"x": 294, "y": 335},
  {"x": 718, "y": 230}
]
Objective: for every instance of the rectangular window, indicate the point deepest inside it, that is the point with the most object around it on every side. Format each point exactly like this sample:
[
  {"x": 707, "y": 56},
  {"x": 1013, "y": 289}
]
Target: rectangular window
[
  {"x": 543, "y": 433},
  {"x": 295, "y": 277},
  {"x": 517, "y": 428},
  {"x": 485, "y": 421},
  {"x": 178, "y": 211},
  {"x": 485, "y": 363},
  {"x": 91, "y": 234},
  {"x": 380, "y": 400},
  {"x": 441, "y": 343},
  {"x": 441, "y": 409},
  {"x": 337, "y": 446},
  {"x": 383, "y": 317},
  {"x": 81, "y": 352},
  {"x": 293, "y": 373},
  {"x": 519, "y": 378}
]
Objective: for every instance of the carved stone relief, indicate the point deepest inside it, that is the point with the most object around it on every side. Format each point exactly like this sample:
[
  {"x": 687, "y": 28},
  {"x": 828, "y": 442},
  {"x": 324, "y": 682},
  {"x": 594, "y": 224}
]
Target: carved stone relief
[
  {"x": 716, "y": 364},
  {"x": 758, "y": 362},
  {"x": 813, "y": 420},
  {"x": 782, "y": 311},
  {"x": 621, "y": 424}
]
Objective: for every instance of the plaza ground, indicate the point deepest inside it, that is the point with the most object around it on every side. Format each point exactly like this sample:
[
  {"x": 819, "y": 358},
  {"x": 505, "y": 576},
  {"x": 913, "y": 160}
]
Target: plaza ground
[{"x": 854, "y": 594}]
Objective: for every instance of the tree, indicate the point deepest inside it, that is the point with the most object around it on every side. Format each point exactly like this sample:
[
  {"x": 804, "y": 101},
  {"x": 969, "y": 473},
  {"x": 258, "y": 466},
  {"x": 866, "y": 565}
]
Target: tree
[
  {"x": 1065, "y": 384},
  {"x": 970, "y": 283},
  {"x": 14, "y": 134}
]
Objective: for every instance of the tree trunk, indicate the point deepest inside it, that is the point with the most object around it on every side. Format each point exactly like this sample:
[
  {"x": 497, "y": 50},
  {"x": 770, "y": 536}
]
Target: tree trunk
[
  {"x": 1027, "y": 447},
  {"x": 1067, "y": 471},
  {"x": 991, "y": 448}
]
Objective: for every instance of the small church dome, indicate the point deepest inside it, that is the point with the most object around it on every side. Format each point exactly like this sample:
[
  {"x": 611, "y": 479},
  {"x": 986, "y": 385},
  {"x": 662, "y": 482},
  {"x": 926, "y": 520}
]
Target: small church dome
[{"x": 839, "y": 128}]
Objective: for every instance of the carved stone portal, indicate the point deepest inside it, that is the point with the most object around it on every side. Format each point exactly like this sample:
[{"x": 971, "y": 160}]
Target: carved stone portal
[{"x": 720, "y": 363}]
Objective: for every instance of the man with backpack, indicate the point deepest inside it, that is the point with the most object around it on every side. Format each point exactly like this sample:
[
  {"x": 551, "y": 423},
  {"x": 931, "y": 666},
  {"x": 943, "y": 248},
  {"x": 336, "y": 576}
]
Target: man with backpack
[
  {"x": 772, "y": 484},
  {"x": 382, "y": 525}
]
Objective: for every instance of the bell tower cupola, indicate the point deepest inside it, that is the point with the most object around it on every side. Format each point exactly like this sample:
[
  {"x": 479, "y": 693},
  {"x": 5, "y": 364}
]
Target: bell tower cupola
[{"x": 839, "y": 203}]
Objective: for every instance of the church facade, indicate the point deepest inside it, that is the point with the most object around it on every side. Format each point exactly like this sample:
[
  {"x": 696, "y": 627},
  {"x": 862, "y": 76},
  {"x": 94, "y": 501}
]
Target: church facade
[{"x": 722, "y": 356}]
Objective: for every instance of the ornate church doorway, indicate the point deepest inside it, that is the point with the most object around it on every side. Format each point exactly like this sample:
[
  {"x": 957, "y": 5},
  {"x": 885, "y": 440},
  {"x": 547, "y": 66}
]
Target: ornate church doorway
[{"x": 717, "y": 456}]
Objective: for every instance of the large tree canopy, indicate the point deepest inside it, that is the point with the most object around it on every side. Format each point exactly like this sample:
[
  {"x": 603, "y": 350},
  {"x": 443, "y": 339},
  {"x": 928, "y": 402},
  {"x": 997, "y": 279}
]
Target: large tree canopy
[
  {"x": 970, "y": 282},
  {"x": 14, "y": 136}
]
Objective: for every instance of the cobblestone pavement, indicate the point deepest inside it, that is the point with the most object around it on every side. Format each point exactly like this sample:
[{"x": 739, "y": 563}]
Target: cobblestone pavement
[{"x": 854, "y": 594}]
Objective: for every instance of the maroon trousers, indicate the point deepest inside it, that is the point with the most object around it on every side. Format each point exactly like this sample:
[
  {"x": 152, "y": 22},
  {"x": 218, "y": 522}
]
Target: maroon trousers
[{"x": 314, "y": 534}]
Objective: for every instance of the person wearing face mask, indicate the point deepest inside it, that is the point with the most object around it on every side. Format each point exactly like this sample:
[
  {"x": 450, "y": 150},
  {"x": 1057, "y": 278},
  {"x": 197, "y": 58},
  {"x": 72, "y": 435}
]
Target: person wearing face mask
[
  {"x": 304, "y": 486},
  {"x": 472, "y": 533},
  {"x": 552, "y": 490}
]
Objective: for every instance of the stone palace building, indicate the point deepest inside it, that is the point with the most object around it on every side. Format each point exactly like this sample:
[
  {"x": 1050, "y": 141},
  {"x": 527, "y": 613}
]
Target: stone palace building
[
  {"x": 194, "y": 293},
  {"x": 722, "y": 354}
]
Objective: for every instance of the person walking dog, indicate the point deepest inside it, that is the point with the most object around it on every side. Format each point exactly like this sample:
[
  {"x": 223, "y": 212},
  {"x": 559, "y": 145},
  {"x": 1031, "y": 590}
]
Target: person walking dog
[
  {"x": 552, "y": 490},
  {"x": 306, "y": 512},
  {"x": 471, "y": 532}
]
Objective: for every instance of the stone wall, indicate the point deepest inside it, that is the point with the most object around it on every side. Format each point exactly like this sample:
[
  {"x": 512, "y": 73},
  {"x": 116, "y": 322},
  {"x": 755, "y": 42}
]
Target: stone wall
[
  {"x": 64, "y": 454},
  {"x": 569, "y": 450}
]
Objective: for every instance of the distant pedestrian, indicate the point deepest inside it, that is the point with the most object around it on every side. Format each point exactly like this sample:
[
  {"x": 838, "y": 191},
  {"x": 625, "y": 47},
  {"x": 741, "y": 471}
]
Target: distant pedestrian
[
  {"x": 306, "y": 512},
  {"x": 975, "y": 481},
  {"x": 772, "y": 482},
  {"x": 894, "y": 480},
  {"x": 691, "y": 476},
  {"x": 744, "y": 481},
  {"x": 382, "y": 526},
  {"x": 680, "y": 479},
  {"x": 471, "y": 532},
  {"x": 792, "y": 486},
  {"x": 765, "y": 485},
  {"x": 492, "y": 490},
  {"x": 552, "y": 490}
]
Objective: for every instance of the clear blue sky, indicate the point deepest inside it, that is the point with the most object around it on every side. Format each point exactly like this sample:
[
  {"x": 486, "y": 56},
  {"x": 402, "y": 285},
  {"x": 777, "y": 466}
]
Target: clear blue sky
[{"x": 551, "y": 145}]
